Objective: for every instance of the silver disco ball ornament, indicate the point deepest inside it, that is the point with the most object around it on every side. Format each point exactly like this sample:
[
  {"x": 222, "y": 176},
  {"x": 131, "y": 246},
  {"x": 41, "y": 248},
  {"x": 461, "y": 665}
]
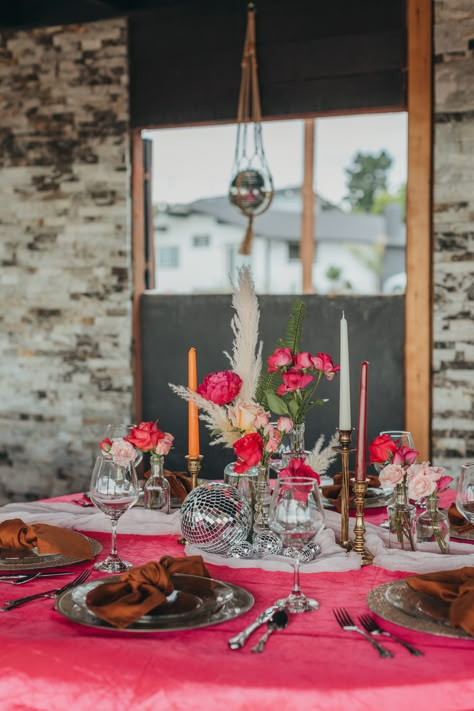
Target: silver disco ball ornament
[
  {"x": 310, "y": 552},
  {"x": 215, "y": 517},
  {"x": 291, "y": 552},
  {"x": 243, "y": 550},
  {"x": 266, "y": 543}
]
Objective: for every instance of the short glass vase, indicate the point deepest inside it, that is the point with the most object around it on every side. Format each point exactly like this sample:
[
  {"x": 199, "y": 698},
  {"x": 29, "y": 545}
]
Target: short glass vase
[
  {"x": 432, "y": 532},
  {"x": 156, "y": 492},
  {"x": 401, "y": 521}
]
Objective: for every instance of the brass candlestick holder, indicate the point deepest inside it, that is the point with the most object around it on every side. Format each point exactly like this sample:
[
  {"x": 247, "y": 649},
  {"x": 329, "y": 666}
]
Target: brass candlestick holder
[
  {"x": 345, "y": 450},
  {"x": 360, "y": 488},
  {"x": 194, "y": 467}
]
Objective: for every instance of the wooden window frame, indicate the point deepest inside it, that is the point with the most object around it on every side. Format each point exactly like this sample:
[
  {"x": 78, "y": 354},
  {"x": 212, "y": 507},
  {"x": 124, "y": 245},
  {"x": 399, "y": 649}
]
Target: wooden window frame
[{"x": 418, "y": 298}]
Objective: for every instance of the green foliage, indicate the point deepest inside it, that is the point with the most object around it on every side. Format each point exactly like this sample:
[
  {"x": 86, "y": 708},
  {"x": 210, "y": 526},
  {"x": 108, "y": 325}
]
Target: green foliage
[
  {"x": 367, "y": 179},
  {"x": 268, "y": 383},
  {"x": 384, "y": 199}
]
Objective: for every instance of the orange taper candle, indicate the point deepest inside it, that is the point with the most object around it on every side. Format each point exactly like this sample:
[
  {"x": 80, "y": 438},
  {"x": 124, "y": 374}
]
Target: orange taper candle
[{"x": 193, "y": 420}]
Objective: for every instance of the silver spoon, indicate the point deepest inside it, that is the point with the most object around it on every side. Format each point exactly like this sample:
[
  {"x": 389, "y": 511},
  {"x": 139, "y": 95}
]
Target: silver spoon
[{"x": 278, "y": 621}]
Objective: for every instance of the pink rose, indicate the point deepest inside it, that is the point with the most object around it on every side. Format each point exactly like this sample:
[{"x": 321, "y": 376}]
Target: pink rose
[
  {"x": 247, "y": 416},
  {"x": 285, "y": 424},
  {"x": 145, "y": 436},
  {"x": 298, "y": 467},
  {"x": 443, "y": 483},
  {"x": 391, "y": 475},
  {"x": 249, "y": 450},
  {"x": 273, "y": 439},
  {"x": 281, "y": 358},
  {"x": 404, "y": 456},
  {"x": 381, "y": 449},
  {"x": 323, "y": 362},
  {"x": 164, "y": 444},
  {"x": 105, "y": 445},
  {"x": 303, "y": 360},
  {"x": 294, "y": 381},
  {"x": 122, "y": 452},
  {"x": 221, "y": 387},
  {"x": 420, "y": 485},
  {"x": 436, "y": 473}
]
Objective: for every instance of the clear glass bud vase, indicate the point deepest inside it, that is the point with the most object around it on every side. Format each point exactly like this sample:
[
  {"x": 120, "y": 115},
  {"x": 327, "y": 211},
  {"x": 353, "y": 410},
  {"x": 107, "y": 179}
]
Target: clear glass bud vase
[
  {"x": 297, "y": 440},
  {"x": 262, "y": 499},
  {"x": 156, "y": 493},
  {"x": 401, "y": 519},
  {"x": 432, "y": 528}
]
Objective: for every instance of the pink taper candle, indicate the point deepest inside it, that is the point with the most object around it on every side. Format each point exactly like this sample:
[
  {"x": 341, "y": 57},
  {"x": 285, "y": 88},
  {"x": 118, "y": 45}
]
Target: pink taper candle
[{"x": 360, "y": 468}]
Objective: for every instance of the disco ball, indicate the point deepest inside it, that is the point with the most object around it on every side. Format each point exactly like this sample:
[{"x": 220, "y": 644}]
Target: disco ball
[
  {"x": 249, "y": 192},
  {"x": 243, "y": 550},
  {"x": 215, "y": 517},
  {"x": 310, "y": 552},
  {"x": 266, "y": 543}
]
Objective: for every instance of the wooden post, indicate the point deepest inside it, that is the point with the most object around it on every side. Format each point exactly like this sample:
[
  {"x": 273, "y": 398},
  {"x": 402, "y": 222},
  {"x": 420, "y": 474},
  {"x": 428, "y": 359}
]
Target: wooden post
[
  {"x": 307, "y": 221},
  {"x": 138, "y": 266},
  {"x": 418, "y": 307}
]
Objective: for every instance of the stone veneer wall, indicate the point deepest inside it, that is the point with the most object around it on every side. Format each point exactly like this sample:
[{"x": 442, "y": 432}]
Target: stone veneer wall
[
  {"x": 453, "y": 356},
  {"x": 65, "y": 335}
]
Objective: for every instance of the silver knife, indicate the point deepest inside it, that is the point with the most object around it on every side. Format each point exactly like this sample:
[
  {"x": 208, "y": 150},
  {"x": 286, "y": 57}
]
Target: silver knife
[{"x": 240, "y": 639}]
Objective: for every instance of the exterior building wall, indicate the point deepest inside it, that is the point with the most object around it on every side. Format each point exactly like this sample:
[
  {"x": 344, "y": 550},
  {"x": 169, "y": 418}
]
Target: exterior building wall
[
  {"x": 453, "y": 222},
  {"x": 65, "y": 252}
]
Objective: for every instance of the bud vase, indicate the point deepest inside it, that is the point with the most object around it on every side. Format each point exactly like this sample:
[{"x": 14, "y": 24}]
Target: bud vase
[
  {"x": 156, "y": 492},
  {"x": 245, "y": 483},
  {"x": 432, "y": 528},
  {"x": 297, "y": 448},
  {"x": 401, "y": 518},
  {"x": 262, "y": 501}
]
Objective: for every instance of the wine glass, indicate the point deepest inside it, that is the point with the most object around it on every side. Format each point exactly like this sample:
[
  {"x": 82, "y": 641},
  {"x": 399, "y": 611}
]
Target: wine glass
[
  {"x": 121, "y": 432},
  {"x": 465, "y": 492},
  {"x": 114, "y": 489},
  {"x": 403, "y": 436},
  {"x": 296, "y": 516}
]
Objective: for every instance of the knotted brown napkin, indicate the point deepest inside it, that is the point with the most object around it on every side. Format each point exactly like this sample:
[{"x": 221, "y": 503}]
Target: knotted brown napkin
[
  {"x": 453, "y": 595},
  {"x": 17, "y": 535},
  {"x": 458, "y": 522},
  {"x": 140, "y": 589},
  {"x": 333, "y": 492}
]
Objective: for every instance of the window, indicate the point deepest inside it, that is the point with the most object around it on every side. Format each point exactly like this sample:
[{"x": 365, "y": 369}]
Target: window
[
  {"x": 168, "y": 257},
  {"x": 201, "y": 240},
  {"x": 293, "y": 251}
]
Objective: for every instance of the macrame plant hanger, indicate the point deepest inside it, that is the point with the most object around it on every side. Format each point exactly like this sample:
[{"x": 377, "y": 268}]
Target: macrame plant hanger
[{"x": 251, "y": 189}]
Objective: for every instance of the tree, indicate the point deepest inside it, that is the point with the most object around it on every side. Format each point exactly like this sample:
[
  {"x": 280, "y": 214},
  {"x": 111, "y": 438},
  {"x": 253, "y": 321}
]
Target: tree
[
  {"x": 384, "y": 199},
  {"x": 367, "y": 179}
]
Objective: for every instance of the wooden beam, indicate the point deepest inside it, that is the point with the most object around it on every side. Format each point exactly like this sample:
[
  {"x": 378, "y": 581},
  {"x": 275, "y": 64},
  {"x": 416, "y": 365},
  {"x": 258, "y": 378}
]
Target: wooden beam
[
  {"x": 138, "y": 266},
  {"x": 418, "y": 310},
  {"x": 307, "y": 219}
]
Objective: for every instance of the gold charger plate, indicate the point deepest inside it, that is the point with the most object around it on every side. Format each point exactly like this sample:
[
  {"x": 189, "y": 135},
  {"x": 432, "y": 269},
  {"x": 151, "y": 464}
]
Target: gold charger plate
[
  {"x": 396, "y": 602},
  {"x": 26, "y": 560},
  {"x": 204, "y": 602}
]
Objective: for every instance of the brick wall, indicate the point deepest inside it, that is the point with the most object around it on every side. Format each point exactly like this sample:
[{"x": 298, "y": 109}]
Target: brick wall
[
  {"x": 65, "y": 289},
  {"x": 453, "y": 221}
]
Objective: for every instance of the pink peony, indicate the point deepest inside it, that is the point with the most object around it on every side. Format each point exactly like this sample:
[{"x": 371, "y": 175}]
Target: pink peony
[
  {"x": 323, "y": 362},
  {"x": 298, "y": 467},
  {"x": 281, "y": 358},
  {"x": 420, "y": 485},
  {"x": 285, "y": 424},
  {"x": 164, "y": 444},
  {"x": 303, "y": 360},
  {"x": 249, "y": 450},
  {"x": 294, "y": 381},
  {"x": 221, "y": 387},
  {"x": 391, "y": 475},
  {"x": 122, "y": 452}
]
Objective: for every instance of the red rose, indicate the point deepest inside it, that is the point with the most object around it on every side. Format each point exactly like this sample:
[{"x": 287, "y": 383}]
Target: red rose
[
  {"x": 294, "y": 381},
  {"x": 381, "y": 449},
  {"x": 221, "y": 387},
  {"x": 106, "y": 445},
  {"x": 303, "y": 360},
  {"x": 298, "y": 467},
  {"x": 145, "y": 436},
  {"x": 249, "y": 450},
  {"x": 281, "y": 358},
  {"x": 323, "y": 362}
]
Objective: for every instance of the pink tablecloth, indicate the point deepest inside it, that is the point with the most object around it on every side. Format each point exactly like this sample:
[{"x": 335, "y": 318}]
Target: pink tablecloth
[{"x": 49, "y": 663}]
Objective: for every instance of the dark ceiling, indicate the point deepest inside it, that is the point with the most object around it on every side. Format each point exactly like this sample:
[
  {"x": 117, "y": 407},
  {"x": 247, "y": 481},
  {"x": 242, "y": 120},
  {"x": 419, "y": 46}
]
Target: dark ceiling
[{"x": 37, "y": 13}]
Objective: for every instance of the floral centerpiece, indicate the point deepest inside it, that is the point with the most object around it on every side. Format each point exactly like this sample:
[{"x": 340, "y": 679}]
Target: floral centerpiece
[{"x": 426, "y": 482}]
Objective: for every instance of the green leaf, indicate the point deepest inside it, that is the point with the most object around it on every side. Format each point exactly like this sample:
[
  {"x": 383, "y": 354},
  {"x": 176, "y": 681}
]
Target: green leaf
[
  {"x": 293, "y": 407},
  {"x": 276, "y": 404}
]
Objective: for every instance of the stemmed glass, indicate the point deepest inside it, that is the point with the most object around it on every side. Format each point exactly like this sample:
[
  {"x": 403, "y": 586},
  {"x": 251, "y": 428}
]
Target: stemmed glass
[
  {"x": 403, "y": 436},
  {"x": 296, "y": 516},
  {"x": 465, "y": 492},
  {"x": 114, "y": 489}
]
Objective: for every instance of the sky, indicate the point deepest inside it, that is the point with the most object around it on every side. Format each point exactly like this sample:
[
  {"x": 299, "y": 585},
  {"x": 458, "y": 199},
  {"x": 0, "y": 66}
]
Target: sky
[{"x": 192, "y": 163}]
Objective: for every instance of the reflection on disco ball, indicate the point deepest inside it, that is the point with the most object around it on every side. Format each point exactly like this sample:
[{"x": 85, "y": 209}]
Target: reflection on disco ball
[
  {"x": 249, "y": 192},
  {"x": 266, "y": 543},
  {"x": 215, "y": 517},
  {"x": 310, "y": 552},
  {"x": 291, "y": 552},
  {"x": 243, "y": 550}
]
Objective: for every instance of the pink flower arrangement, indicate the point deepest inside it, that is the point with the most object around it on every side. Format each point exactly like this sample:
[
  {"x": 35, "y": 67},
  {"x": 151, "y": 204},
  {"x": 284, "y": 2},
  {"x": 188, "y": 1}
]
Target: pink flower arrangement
[
  {"x": 120, "y": 451},
  {"x": 396, "y": 457},
  {"x": 256, "y": 447},
  {"x": 301, "y": 373},
  {"x": 147, "y": 437},
  {"x": 423, "y": 480}
]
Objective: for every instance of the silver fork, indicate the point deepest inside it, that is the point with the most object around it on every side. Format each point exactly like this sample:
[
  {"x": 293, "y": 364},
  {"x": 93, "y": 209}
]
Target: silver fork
[
  {"x": 372, "y": 627},
  {"x": 12, "y": 604},
  {"x": 345, "y": 621}
]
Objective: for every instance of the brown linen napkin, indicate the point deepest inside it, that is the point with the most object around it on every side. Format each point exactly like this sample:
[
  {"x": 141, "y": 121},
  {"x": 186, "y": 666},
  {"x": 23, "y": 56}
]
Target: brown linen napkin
[
  {"x": 458, "y": 522},
  {"x": 333, "y": 492},
  {"x": 140, "y": 589},
  {"x": 453, "y": 595},
  {"x": 180, "y": 483},
  {"x": 17, "y": 535}
]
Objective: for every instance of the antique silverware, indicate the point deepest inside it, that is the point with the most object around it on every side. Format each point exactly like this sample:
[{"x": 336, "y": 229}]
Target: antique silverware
[
  {"x": 278, "y": 621},
  {"x": 240, "y": 639},
  {"x": 345, "y": 621},
  {"x": 12, "y": 604},
  {"x": 371, "y": 626},
  {"x": 24, "y": 578}
]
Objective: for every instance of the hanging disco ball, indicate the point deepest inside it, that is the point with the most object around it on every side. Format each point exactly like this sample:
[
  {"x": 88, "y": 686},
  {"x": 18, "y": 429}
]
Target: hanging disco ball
[
  {"x": 215, "y": 517},
  {"x": 250, "y": 192}
]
